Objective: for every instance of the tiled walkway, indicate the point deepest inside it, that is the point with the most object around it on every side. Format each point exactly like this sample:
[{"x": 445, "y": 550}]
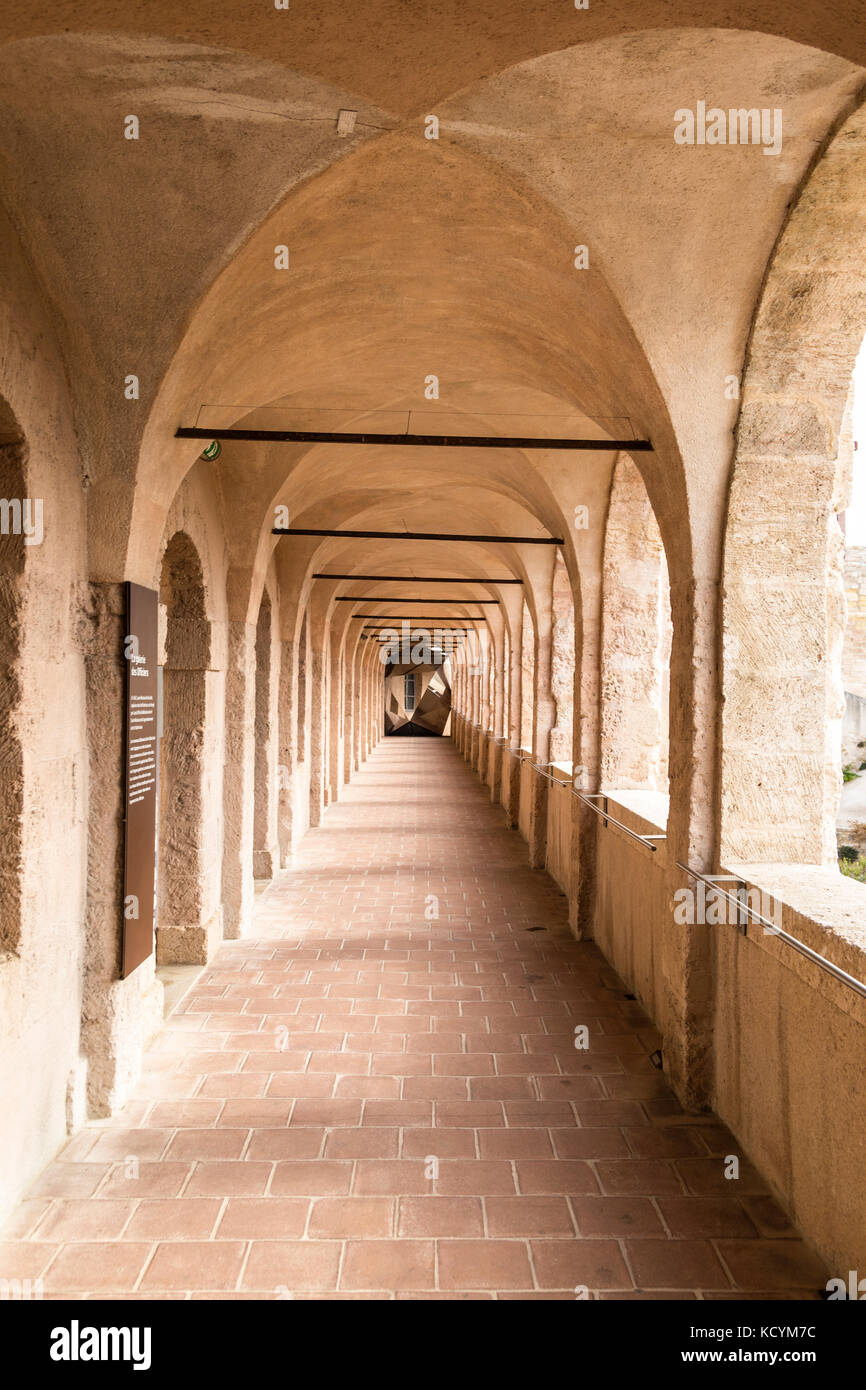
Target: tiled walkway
[{"x": 379, "y": 1096}]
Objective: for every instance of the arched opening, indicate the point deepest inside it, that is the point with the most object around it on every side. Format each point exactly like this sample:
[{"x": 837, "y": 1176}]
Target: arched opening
[
  {"x": 783, "y": 706},
  {"x": 186, "y": 922},
  {"x": 636, "y": 640},
  {"x": 784, "y": 602},
  {"x": 636, "y": 635},
  {"x": 851, "y": 820},
  {"x": 15, "y": 510}
]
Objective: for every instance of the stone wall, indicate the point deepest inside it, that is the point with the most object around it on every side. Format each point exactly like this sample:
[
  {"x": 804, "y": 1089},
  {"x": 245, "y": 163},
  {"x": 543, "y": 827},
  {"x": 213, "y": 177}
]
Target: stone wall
[
  {"x": 854, "y": 647},
  {"x": 48, "y": 627}
]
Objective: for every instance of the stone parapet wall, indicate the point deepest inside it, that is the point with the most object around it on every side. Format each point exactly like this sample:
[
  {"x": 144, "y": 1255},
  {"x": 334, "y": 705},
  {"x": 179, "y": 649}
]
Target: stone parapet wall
[{"x": 788, "y": 1039}]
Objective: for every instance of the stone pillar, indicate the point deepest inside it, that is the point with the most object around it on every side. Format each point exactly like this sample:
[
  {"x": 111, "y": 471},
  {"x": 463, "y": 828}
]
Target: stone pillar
[
  {"x": 336, "y": 718},
  {"x": 483, "y": 706},
  {"x": 286, "y": 751},
  {"x": 511, "y": 763},
  {"x": 545, "y": 715},
  {"x": 118, "y": 1016},
  {"x": 266, "y": 850},
  {"x": 562, "y": 668},
  {"x": 354, "y": 743},
  {"x": 495, "y": 755},
  {"x": 586, "y": 745},
  {"x": 366, "y": 699},
  {"x": 319, "y": 727},
  {"x": 238, "y": 779},
  {"x": 457, "y": 704},
  {"x": 189, "y": 926},
  {"x": 475, "y": 679},
  {"x": 688, "y": 1017},
  {"x": 373, "y": 688}
]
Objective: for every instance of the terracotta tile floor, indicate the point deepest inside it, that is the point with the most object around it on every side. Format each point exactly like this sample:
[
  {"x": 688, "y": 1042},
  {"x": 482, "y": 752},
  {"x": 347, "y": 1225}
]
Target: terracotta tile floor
[{"x": 378, "y": 1096}]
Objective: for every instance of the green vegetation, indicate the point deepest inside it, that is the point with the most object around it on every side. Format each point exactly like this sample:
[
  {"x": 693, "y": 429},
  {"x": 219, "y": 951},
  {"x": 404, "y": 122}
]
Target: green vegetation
[{"x": 852, "y": 863}]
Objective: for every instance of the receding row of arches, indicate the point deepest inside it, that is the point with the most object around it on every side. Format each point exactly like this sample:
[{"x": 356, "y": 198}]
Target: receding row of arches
[
  {"x": 677, "y": 651},
  {"x": 199, "y": 875}
]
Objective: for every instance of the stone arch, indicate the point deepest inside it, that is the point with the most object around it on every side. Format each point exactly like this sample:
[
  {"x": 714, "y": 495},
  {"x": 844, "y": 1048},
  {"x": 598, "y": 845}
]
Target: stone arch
[
  {"x": 783, "y": 590},
  {"x": 186, "y": 930},
  {"x": 636, "y": 640}
]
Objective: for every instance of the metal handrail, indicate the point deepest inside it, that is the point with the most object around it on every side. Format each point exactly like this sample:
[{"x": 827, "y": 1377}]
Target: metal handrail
[
  {"x": 538, "y": 767},
  {"x": 589, "y": 799},
  {"x": 542, "y": 768},
  {"x": 794, "y": 942}
]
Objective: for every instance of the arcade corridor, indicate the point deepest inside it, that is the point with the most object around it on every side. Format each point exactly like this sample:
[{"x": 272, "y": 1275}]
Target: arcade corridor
[
  {"x": 433, "y": 655},
  {"x": 409, "y": 997}
]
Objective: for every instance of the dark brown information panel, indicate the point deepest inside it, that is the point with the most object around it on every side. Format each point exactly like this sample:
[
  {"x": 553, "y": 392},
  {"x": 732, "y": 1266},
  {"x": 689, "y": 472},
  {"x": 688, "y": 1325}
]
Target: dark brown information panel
[{"x": 141, "y": 755}]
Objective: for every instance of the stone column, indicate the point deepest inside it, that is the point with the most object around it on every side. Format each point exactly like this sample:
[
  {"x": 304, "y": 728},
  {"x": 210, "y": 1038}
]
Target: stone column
[
  {"x": 118, "y": 1016},
  {"x": 457, "y": 704},
  {"x": 495, "y": 755},
  {"x": 483, "y": 705},
  {"x": 541, "y": 567},
  {"x": 189, "y": 927},
  {"x": 511, "y": 763},
  {"x": 318, "y": 730},
  {"x": 336, "y": 718},
  {"x": 238, "y": 779},
  {"x": 374, "y": 691},
  {"x": 287, "y": 749},
  {"x": 354, "y": 744},
  {"x": 586, "y": 748},
  {"x": 266, "y": 852},
  {"x": 475, "y": 679}
]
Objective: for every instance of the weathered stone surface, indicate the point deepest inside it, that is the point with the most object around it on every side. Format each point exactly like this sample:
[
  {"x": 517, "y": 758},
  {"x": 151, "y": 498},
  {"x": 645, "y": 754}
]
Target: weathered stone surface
[{"x": 554, "y": 263}]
